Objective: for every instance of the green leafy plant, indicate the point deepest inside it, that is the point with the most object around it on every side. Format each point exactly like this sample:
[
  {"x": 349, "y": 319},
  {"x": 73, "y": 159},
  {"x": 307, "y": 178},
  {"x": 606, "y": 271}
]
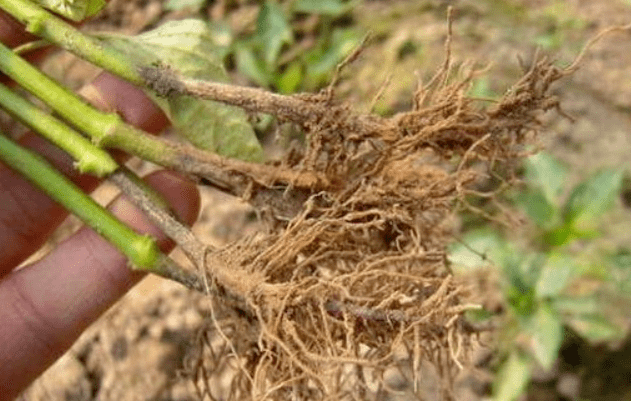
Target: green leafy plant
[
  {"x": 273, "y": 56},
  {"x": 578, "y": 216},
  {"x": 559, "y": 22},
  {"x": 538, "y": 284}
]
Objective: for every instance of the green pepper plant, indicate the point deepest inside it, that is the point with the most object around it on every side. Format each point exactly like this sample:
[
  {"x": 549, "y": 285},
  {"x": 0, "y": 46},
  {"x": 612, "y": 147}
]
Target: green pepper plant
[{"x": 541, "y": 284}]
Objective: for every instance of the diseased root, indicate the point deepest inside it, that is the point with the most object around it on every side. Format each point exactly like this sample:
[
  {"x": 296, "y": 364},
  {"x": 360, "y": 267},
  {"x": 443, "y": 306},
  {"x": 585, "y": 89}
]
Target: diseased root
[{"x": 352, "y": 279}]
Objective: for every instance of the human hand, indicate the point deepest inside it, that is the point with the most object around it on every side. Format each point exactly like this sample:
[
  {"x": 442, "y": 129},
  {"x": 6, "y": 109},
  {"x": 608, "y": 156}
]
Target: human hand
[{"x": 45, "y": 306}]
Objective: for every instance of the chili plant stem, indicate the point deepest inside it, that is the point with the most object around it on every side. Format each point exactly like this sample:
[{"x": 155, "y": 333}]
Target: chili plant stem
[
  {"x": 52, "y": 28},
  {"x": 108, "y": 130},
  {"x": 105, "y": 129},
  {"x": 142, "y": 250},
  {"x": 89, "y": 158},
  {"x": 136, "y": 190},
  {"x": 72, "y": 108}
]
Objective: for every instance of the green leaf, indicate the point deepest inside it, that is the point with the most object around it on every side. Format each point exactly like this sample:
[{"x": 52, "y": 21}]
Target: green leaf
[
  {"x": 595, "y": 328},
  {"x": 333, "y": 8},
  {"x": 222, "y": 38},
  {"x": 559, "y": 236},
  {"x": 546, "y": 173},
  {"x": 182, "y": 4},
  {"x": 524, "y": 272},
  {"x": 322, "y": 60},
  {"x": 481, "y": 88},
  {"x": 291, "y": 78},
  {"x": 555, "y": 275},
  {"x": 476, "y": 249},
  {"x": 622, "y": 259},
  {"x": 591, "y": 198},
  {"x": 538, "y": 208},
  {"x": 547, "y": 335},
  {"x": 576, "y": 306},
  {"x": 273, "y": 31},
  {"x": 75, "y": 10},
  {"x": 250, "y": 66},
  {"x": 192, "y": 49},
  {"x": 620, "y": 271},
  {"x": 521, "y": 301},
  {"x": 512, "y": 377}
]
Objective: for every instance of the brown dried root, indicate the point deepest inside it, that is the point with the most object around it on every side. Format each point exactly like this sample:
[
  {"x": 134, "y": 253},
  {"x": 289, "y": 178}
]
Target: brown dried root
[{"x": 352, "y": 278}]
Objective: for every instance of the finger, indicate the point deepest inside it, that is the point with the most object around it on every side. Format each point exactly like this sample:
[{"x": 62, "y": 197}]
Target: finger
[
  {"x": 12, "y": 33},
  {"x": 110, "y": 93},
  {"x": 47, "y": 305},
  {"x": 27, "y": 216}
]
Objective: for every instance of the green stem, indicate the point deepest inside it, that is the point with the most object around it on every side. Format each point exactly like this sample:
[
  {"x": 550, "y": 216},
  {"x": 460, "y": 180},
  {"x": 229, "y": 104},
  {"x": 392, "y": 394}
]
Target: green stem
[
  {"x": 52, "y": 28},
  {"x": 142, "y": 250},
  {"x": 105, "y": 129},
  {"x": 72, "y": 108},
  {"x": 109, "y": 130},
  {"x": 89, "y": 158}
]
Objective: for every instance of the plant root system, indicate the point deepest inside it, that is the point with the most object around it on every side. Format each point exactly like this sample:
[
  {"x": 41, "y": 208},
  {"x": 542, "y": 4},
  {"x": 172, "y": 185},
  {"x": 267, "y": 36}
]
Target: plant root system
[{"x": 351, "y": 279}]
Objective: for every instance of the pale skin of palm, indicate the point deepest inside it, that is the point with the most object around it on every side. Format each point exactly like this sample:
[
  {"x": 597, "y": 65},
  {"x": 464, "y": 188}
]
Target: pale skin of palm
[{"x": 46, "y": 305}]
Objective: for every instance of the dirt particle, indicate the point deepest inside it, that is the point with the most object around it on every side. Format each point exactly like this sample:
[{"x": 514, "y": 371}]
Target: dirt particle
[
  {"x": 162, "y": 80},
  {"x": 119, "y": 348}
]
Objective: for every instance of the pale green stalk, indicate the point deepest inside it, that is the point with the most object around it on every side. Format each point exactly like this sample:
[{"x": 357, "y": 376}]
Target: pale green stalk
[
  {"x": 105, "y": 129},
  {"x": 142, "y": 250},
  {"x": 108, "y": 129},
  {"x": 72, "y": 108},
  {"x": 89, "y": 158},
  {"x": 52, "y": 28}
]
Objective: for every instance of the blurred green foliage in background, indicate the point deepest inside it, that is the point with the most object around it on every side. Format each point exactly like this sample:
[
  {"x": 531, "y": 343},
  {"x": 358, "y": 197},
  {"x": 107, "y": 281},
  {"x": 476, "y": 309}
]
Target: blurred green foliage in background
[{"x": 549, "y": 286}]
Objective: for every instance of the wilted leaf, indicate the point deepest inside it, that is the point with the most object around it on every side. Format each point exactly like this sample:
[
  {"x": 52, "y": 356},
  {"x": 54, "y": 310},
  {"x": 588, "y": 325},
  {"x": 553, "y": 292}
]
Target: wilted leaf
[
  {"x": 272, "y": 31},
  {"x": 190, "y": 47},
  {"x": 545, "y": 172},
  {"x": 547, "y": 334},
  {"x": 555, "y": 275},
  {"x": 512, "y": 377},
  {"x": 334, "y": 8},
  {"x": 75, "y": 10},
  {"x": 593, "y": 197}
]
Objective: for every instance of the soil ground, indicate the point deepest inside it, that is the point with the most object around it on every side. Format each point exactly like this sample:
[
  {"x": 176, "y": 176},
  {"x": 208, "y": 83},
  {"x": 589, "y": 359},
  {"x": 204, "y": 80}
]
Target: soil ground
[{"x": 143, "y": 348}]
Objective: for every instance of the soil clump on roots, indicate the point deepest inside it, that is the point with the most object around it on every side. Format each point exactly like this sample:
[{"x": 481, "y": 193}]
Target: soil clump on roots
[{"x": 351, "y": 278}]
